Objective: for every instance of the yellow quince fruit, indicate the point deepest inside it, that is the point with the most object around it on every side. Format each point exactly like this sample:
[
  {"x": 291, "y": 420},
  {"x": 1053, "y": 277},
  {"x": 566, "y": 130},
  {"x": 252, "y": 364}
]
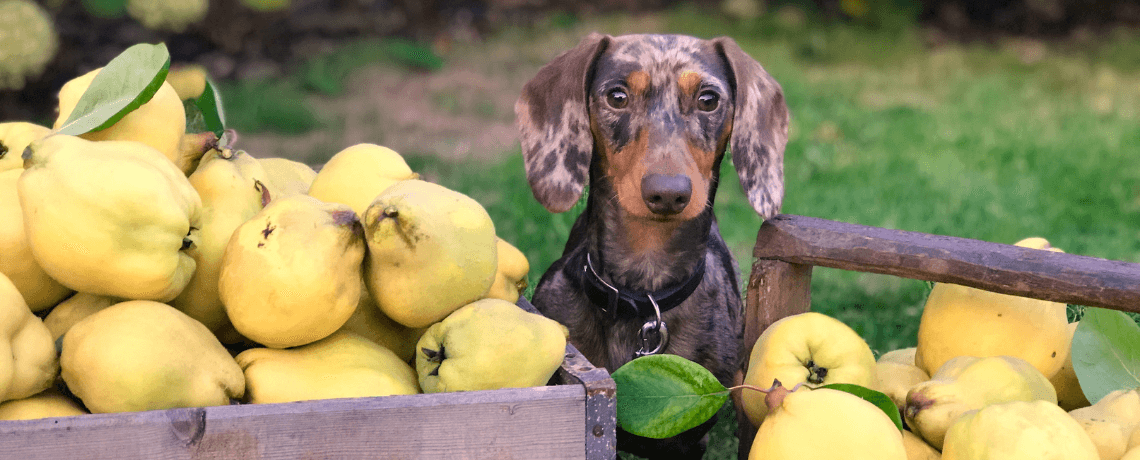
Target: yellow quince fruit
[
  {"x": 187, "y": 80},
  {"x": 964, "y": 321},
  {"x": 46, "y": 404},
  {"x": 357, "y": 174},
  {"x": 111, "y": 218},
  {"x": 40, "y": 291},
  {"x": 810, "y": 348},
  {"x": 73, "y": 310},
  {"x": 967, "y": 383},
  {"x": 431, "y": 250},
  {"x": 231, "y": 185},
  {"x": 159, "y": 123},
  {"x": 510, "y": 276},
  {"x": 371, "y": 323},
  {"x": 14, "y": 138},
  {"x": 287, "y": 177},
  {"x": 1069, "y": 393},
  {"x": 919, "y": 449},
  {"x": 142, "y": 355},
  {"x": 192, "y": 148},
  {"x": 487, "y": 345},
  {"x": 824, "y": 424},
  {"x": 28, "y": 363},
  {"x": 342, "y": 365},
  {"x": 901, "y": 356},
  {"x": 291, "y": 275},
  {"x": 167, "y": 15},
  {"x": 895, "y": 379},
  {"x": 1111, "y": 422},
  {"x": 1018, "y": 430}
]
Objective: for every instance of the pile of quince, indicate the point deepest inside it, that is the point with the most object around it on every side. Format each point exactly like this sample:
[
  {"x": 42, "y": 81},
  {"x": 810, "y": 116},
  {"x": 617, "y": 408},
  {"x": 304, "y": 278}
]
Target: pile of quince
[
  {"x": 146, "y": 267},
  {"x": 990, "y": 379}
]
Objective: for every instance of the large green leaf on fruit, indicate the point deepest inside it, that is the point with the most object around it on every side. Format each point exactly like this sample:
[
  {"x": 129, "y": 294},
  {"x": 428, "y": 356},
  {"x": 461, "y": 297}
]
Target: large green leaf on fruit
[
  {"x": 659, "y": 396},
  {"x": 1106, "y": 353},
  {"x": 124, "y": 84},
  {"x": 880, "y": 400}
]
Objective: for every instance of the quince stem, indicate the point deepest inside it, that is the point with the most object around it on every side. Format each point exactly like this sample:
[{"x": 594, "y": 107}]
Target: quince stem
[{"x": 774, "y": 395}]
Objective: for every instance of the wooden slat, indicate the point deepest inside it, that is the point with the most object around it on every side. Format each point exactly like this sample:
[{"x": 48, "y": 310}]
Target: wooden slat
[
  {"x": 996, "y": 267},
  {"x": 525, "y": 423},
  {"x": 601, "y": 403}
]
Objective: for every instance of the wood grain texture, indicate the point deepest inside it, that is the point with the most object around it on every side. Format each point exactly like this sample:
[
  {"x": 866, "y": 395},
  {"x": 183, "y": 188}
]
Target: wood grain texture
[
  {"x": 524, "y": 423},
  {"x": 1002, "y": 268}
]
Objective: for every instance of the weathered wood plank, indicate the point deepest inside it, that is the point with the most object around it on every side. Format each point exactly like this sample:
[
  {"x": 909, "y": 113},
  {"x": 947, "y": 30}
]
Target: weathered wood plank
[
  {"x": 996, "y": 267},
  {"x": 525, "y": 423},
  {"x": 601, "y": 403}
]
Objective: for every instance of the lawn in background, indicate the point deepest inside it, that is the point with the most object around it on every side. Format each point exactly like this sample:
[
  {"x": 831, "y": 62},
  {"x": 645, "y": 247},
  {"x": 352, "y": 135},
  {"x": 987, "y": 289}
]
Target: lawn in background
[{"x": 992, "y": 142}]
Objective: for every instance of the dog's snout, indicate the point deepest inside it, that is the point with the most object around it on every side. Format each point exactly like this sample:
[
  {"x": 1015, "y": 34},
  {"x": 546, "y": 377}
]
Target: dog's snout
[{"x": 666, "y": 194}]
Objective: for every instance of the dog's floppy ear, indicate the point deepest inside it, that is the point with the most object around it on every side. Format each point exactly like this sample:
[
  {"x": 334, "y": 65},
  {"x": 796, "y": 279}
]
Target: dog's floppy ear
[
  {"x": 554, "y": 125},
  {"x": 759, "y": 129}
]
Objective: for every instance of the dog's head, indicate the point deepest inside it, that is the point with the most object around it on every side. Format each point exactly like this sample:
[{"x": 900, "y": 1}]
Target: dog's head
[{"x": 659, "y": 110}]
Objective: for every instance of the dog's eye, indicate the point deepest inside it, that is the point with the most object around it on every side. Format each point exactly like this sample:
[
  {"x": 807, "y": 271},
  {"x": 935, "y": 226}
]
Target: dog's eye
[
  {"x": 617, "y": 98},
  {"x": 708, "y": 101}
]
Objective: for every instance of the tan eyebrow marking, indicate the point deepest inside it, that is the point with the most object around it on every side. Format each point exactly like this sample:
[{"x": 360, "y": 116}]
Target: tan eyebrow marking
[
  {"x": 689, "y": 83},
  {"x": 638, "y": 82}
]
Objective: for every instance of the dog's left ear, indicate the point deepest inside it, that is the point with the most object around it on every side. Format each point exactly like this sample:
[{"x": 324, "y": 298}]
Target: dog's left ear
[{"x": 759, "y": 129}]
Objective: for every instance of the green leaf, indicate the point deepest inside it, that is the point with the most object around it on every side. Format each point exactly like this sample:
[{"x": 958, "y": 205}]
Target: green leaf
[
  {"x": 659, "y": 396},
  {"x": 1106, "y": 352},
  {"x": 879, "y": 399},
  {"x": 195, "y": 122},
  {"x": 124, "y": 84},
  {"x": 210, "y": 106}
]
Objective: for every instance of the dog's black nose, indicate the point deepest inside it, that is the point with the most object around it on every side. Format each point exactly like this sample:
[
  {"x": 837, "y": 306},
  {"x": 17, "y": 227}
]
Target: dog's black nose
[{"x": 666, "y": 195}]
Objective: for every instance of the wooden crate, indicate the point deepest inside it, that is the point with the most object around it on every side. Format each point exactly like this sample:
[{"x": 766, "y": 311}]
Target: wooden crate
[
  {"x": 571, "y": 418},
  {"x": 788, "y": 246}
]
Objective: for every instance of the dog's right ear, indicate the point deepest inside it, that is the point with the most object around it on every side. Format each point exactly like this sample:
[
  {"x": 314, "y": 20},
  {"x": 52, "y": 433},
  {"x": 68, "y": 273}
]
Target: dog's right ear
[{"x": 554, "y": 125}]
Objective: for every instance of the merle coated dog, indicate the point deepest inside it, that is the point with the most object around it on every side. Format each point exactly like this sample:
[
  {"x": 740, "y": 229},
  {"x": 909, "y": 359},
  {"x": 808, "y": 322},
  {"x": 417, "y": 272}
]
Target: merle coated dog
[{"x": 645, "y": 121}]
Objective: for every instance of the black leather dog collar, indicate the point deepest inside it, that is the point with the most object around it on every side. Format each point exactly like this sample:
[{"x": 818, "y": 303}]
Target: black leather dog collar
[{"x": 628, "y": 303}]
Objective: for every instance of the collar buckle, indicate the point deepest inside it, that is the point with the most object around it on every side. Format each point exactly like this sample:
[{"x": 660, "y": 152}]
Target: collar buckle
[{"x": 653, "y": 334}]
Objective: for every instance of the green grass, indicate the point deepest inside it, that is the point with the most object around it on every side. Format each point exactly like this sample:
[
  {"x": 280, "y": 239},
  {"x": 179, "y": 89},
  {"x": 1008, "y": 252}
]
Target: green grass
[{"x": 971, "y": 141}]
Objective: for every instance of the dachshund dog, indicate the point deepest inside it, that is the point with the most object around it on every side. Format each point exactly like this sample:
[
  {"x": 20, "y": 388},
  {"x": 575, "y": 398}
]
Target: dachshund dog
[{"x": 645, "y": 121}]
